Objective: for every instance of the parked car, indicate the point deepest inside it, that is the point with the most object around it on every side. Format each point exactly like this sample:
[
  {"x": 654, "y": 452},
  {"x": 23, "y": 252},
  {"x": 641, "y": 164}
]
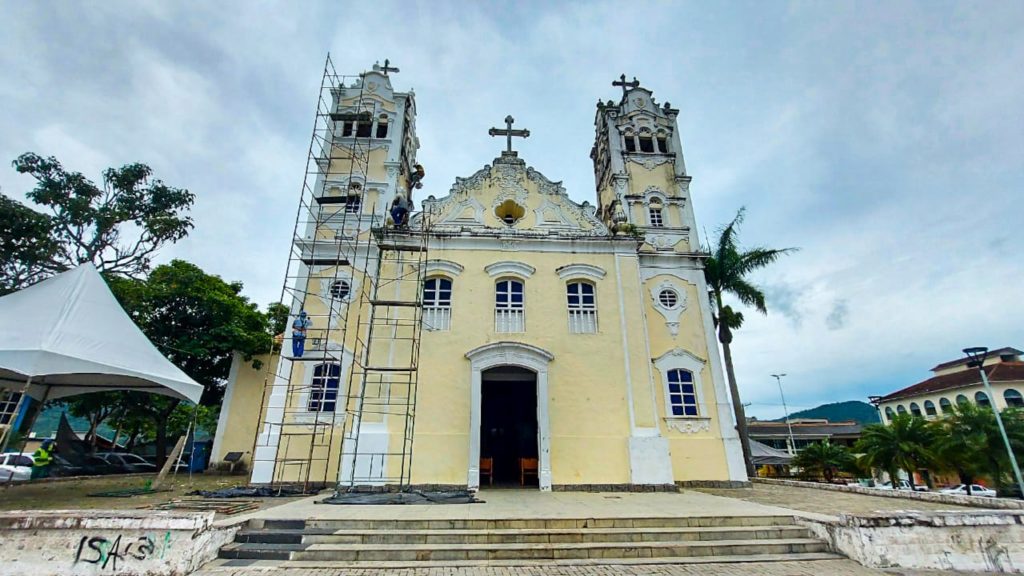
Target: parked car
[
  {"x": 130, "y": 463},
  {"x": 976, "y": 490},
  {"x": 89, "y": 466},
  {"x": 17, "y": 465},
  {"x": 902, "y": 485}
]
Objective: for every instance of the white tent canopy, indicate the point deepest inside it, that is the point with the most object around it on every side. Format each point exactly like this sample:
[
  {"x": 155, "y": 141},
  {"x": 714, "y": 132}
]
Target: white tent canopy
[{"x": 69, "y": 335}]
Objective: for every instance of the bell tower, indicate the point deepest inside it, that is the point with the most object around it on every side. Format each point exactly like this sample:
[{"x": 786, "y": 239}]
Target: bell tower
[{"x": 639, "y": 170}]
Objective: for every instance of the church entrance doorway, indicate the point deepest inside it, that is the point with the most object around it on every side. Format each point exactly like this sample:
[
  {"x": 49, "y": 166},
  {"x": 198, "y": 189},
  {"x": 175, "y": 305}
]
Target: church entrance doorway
[{"x": 508, "y": 428}]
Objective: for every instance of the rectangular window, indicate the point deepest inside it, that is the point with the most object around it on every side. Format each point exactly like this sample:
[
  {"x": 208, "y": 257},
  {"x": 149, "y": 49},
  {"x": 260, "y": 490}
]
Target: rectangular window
[
  {"x": 323, "y": 390},
  {"x": 682, "y": 394},
  {"x": 8, "y": 406},
  {"x": 352, "y": 203},
  {"x": 646, "y": 144},
  {"x": 382, "y": 130},
  {"x": 630, "y": 143},
  {"x": 509, "y": 311},
  {"x": 662, "y": 144},
  {"x": 582, "y": 308},
  {"x": 437, "y": 304},
  {"x": 347, "y": 128},
  {"x": 363, "y": 129},
  {"x": 655, "y": 218}
]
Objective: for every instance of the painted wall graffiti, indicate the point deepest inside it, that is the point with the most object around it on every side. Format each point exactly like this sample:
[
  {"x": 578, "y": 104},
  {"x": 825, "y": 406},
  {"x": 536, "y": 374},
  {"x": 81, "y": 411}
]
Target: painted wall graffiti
[{"x": 107, "y": 553}]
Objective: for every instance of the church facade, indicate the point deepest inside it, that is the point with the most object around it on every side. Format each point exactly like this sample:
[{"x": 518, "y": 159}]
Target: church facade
[{"x": 563, "y": 346}]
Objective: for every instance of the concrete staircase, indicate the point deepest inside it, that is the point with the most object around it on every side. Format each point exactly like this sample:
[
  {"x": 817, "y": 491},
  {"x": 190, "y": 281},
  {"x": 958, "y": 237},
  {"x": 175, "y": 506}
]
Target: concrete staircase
[{"x": 432, "y": 543}]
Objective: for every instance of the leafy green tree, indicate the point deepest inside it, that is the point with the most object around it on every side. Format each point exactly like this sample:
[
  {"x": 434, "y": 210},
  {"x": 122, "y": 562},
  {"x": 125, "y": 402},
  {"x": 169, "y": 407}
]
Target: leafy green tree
[
  {"x": 970, "y": 444},
  {"x": 277, "y": 314},
  {"x": 905, "y": 444},
  {"x": 97, "y": 408},
  {"x": 823, "y": 459},
  {"x": 197, "y": 320},
  {"x": 117, "y": 226},
  {"x": 727, "y": 271}
]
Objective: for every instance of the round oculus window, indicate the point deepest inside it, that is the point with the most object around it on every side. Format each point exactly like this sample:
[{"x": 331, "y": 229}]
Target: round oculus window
[
  {"x": 340, "y": 289},
  {"x": 668, "y": 298}
]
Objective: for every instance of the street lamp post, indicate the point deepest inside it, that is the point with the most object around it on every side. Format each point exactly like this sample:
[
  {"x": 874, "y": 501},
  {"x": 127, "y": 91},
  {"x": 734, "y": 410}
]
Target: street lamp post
[
  {"x": 976, "y": 356},
  {"x": 792, "y": 442}
]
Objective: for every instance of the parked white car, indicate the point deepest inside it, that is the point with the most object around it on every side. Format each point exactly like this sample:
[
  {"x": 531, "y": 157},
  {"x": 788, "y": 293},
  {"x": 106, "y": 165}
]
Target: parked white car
[
  {"x": 902, "y": 485},
  {"x": 976, "y": 490},
  {"x": 18, "y": 465}
]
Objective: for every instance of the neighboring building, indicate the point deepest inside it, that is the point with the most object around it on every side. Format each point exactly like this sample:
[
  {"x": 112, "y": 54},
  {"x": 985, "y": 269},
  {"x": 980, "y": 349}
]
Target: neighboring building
[
  {"x": 806, "y": 431},
  {"x": 573, "y": 337},
  {"x": 954, "y": 382}
]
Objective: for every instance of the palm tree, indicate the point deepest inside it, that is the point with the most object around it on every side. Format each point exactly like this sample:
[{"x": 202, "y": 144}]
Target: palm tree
[
  {"x": 823, "y": 459},
  {"x": 972, "y": 445},
  {"x": 726, "y": 269},
  {"x": 902, "y": 445}
]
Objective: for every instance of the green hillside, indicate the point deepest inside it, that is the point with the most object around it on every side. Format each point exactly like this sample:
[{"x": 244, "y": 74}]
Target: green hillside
[{"x": 839, "y": 411}]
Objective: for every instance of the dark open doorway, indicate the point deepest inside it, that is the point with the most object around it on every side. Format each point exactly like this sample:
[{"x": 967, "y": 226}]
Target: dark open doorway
[{"x": 508, "y": 427}]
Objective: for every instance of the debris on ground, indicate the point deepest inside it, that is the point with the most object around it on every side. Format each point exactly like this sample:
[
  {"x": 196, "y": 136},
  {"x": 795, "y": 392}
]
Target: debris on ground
[
  {"x": 411, "y": 497},
  {"x": 255, "y": 492},
  {"x": 219, "y": 506}
]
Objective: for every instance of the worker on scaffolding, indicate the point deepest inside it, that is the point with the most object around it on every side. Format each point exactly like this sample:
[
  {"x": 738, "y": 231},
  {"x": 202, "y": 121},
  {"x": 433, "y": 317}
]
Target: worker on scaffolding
[
  {"x": 400, "y": 208},
  {"x": 299, "y": 327},
  {"x": 416, "y": 178}
]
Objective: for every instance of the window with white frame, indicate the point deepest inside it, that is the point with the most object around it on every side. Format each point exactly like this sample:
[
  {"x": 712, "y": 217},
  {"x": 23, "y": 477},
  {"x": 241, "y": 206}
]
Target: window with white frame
[
  {"x": 654, "y": 218},
  {"x": 352, "y": 203},
  {"x": 682, "y": 393},
  {"x": 582, "y": 308},
  {"x": 8, "y": 406},
  {"x": 437, "y": 304},
  {"x": 340, "y": 289},
  {"x": 323, "y": 389},
  {"x": 509, "y": 309}
]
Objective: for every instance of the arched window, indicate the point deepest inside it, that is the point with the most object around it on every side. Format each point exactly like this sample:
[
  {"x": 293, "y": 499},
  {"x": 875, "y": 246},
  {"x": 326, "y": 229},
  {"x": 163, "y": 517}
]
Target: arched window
[
  {"x": 889, "y": 414},
  {"x": 437, "y": 304},
  {"x": 323, "y": 390},
  {"x": 961, "y": 399},
  {"x": 915, "y": 409},
  {"x": 901, "y": 409},
  {"x": 582, "y": 308},
  {"x": 982, "y": 399},
  {"x": 630, "y": 141},
  {"x": 509, "y": 309},
  {"x": 1013, "y": 398},
  {"x": 945, "y": 405},
  {"x": 382, "y": 126},
  {"x": 929, "y": 408},
  {"x": 682, "y": 394}
]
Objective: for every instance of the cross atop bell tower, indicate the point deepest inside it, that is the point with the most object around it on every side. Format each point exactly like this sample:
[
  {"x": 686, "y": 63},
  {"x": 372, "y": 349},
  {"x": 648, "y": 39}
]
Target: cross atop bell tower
[
  {"x": 625, "y": 85},
  {"x": 508, "y": 132}
]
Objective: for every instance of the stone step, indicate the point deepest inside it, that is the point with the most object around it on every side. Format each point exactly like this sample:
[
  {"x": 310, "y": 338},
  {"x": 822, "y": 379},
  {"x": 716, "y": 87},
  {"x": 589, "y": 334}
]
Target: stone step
[
  {"x": 519, "y": 535},
  {"x": 518, "y": 551},
  {"x": 519, "y": 523},
  {"x": 229, "y": 566}
]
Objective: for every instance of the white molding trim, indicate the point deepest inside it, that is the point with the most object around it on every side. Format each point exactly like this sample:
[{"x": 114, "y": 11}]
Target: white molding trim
[
  {"x": 688, "y": 425},
  {"x": 512, "y": 267},
  {"x": 677, "y": 358},
  {"x": 510, "y": 354},
  {"x": 443, "y": 267},
  {"x": 670, "y": 314},
  {"x": 576, "y": 270}
]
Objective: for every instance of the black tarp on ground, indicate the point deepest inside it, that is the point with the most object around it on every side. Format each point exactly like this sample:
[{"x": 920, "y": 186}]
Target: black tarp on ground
[
  {"x": 253, "y": 492},
  {"x": 401, "y": 498}
]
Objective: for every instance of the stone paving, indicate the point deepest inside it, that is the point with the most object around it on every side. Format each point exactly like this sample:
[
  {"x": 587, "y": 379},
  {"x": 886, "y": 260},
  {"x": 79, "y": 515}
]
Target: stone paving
[
  {"x": 826, "y": 501},
  {"x": 815, "y": 568}
]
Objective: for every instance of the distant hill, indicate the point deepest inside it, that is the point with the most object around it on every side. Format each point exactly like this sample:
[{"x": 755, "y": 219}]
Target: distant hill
[{"x": 838, "y": 411}]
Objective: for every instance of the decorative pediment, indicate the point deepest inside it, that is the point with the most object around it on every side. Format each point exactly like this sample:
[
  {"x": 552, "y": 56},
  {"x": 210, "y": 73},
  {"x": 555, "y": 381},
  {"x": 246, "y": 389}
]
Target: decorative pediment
[{"x": 474, "y": 204}]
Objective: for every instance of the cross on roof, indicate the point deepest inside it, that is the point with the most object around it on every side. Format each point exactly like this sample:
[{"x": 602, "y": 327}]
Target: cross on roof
[
  {"x": 622, "y": 82},
  {"x": 388, "y": 68},
  {"x": 509, "y": 132}
]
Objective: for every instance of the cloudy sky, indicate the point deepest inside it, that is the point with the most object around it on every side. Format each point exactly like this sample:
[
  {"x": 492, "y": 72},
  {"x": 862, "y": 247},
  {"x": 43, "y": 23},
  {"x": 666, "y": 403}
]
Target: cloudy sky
[{"x": 886, "y": 140}]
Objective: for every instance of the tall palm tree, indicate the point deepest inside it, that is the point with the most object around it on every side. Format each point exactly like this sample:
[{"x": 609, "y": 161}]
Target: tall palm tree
[
  {"x": 823, "y": 459},
  {"x": 905, "y": 444},
  {"x": 726, "y": 269}
]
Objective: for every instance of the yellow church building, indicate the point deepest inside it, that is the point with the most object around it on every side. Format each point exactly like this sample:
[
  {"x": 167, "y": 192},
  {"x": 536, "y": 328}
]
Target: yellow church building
[{"x": 502, "y": 335}]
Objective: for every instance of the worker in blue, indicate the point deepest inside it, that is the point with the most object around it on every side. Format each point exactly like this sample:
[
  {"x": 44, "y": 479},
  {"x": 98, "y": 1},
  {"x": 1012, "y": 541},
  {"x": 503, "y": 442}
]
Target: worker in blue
[
  {"x": 400, "y": 208},
  {"x": 299, "y": 327},
  {"x": 42, "y": 459}
]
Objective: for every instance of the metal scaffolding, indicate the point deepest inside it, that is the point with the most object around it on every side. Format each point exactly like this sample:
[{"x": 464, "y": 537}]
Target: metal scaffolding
[{"x": 343, "y": 411}]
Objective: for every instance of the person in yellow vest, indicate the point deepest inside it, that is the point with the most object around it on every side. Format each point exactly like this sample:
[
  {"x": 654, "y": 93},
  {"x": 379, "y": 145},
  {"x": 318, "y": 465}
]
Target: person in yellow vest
[{"x": 42, "y": 458}]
